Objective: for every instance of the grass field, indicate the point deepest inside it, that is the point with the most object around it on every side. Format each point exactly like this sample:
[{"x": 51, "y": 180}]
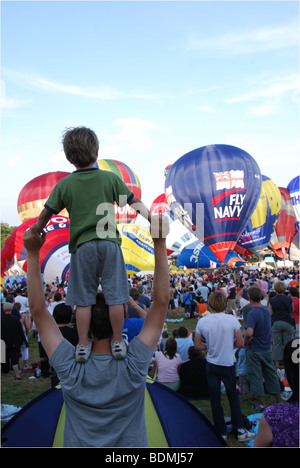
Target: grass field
[{"x": 18, "y": 393}]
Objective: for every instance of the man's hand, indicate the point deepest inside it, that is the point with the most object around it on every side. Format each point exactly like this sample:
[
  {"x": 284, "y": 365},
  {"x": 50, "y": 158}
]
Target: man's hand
[
  {"x": 159, "y": 228},
  {"x": 33, "y": 240}
]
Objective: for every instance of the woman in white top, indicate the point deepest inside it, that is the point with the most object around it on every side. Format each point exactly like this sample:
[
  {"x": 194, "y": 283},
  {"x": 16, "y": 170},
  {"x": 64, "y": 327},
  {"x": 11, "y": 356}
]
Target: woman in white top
[{"x": 167, "y": 365}]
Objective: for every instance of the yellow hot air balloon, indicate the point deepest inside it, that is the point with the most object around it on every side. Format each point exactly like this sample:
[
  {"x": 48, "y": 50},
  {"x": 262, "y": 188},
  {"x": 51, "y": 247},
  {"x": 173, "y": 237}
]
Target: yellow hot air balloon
[{"x": 137, "y": 247}]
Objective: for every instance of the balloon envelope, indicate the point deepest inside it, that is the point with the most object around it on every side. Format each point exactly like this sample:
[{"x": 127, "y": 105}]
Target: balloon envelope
[
  {"x": 35, "y": 193},
  {"x": 137, "y": 247},
  {"x": 295, "y": 248},
  {"x": 214, "y": 190},
  {"x": 124, "y": 214},
  {"x": 285, "y": 229},
  {"x": 294, "y": 189},
  {"x": 159, "y": 205},
  {"x": 264, "y": 219},
  {"x": 54, "y": 254}
]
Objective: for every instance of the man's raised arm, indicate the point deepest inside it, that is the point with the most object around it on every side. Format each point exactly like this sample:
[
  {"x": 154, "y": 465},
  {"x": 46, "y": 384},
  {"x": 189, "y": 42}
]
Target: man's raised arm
[
  {"x": 155, "y": 318},
  {"x": 46, "y": 326}
]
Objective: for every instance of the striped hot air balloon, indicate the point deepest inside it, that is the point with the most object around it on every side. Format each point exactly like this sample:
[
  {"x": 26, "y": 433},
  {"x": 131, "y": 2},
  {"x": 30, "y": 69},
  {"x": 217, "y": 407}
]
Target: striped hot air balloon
[{"x": 123, "y": 214}]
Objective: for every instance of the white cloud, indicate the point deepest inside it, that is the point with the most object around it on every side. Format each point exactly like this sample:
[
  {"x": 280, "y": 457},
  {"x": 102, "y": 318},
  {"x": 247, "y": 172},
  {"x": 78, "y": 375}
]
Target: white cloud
[
  {"x": 98, "y": 92},
  {"x": 254, "y": 41},
  {"x": 134, "y": 133},
  {"x": 272, "y": 89}
]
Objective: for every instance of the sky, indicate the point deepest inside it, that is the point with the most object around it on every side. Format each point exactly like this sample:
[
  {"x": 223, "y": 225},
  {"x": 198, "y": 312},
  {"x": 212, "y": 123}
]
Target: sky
[{"x": 153, "y": 79}]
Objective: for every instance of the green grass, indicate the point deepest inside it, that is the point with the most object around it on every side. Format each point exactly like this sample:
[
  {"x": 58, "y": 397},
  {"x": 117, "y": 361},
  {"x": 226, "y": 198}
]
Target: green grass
[{"x": 19, "y": 393}]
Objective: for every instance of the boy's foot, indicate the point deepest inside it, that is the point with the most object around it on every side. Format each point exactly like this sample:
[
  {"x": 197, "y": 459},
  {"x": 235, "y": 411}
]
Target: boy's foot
[
  {"x": 82, "y": 352},
  {"x": 244, "y": 435},
  {"x": 119, "y": 349}
]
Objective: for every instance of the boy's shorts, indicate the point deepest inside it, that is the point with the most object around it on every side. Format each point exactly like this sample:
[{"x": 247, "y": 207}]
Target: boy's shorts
[{"x": 94, "y": 260}]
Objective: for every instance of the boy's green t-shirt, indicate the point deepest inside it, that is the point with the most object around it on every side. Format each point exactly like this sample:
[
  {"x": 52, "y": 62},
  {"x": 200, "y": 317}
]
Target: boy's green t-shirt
[{"x": 89, "y": 196}]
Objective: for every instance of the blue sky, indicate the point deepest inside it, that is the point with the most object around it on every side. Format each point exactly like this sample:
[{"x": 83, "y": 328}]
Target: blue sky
[{"x": 153, "y": 79}]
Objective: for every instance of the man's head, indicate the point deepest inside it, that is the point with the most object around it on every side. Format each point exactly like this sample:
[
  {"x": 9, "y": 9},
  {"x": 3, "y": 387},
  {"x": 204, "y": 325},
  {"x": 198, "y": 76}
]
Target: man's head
[
  {"x": 182, "y": 332},
  {"x": 134, "y": 293},
  {"x": 254, "y": 294},
  {"x": 81, "y": 146},
  {"x": 217, "y": 301},
  {"x": 62, "y": 313},
  {"x": 100, "y": 324}
]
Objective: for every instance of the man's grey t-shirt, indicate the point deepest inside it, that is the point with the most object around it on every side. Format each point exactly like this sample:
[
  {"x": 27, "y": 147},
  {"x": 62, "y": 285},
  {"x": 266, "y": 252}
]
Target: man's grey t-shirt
[{"x": 104, "y": 398}]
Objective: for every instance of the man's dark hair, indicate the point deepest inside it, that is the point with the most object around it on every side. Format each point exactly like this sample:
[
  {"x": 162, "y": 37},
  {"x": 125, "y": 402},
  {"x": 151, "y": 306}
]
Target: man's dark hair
[
  {"x": 254, "y": 294},
  {"x": 100, "y": 323},
  {"x": 182, "y": 332},
  {"x": 62, "y": 313}
]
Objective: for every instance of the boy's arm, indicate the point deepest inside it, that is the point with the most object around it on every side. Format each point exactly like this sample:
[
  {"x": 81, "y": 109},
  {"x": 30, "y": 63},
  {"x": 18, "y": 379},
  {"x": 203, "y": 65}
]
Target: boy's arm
[
  {"x": 155, "y": 318},
  {"x": 139, "y": 206},
  {"x": 45, "y": 324},
  {"x": 43, "y": 219}
]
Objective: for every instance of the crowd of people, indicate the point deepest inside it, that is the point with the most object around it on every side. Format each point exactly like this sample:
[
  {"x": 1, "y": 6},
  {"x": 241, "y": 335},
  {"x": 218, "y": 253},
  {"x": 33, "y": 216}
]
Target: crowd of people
[
  {"x": 178, "y": 361},
  {"x": 98, "y": 341}
]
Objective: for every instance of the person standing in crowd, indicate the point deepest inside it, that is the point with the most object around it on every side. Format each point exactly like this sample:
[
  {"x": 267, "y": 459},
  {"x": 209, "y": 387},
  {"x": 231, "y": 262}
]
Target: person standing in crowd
[
  {"x": 13, "y": 336},
  {"x": 283, "y": 324},
  {"x": 260, "y": 366},
  {"x": 222, "y": 333}
]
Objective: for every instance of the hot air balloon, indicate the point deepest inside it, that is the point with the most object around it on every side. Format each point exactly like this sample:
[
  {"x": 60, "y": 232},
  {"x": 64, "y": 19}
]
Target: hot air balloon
[
  {"x": 34, "y": 194},
  {"x": 54, "y": 254},
  {"x": 137, "y": 248},
  {"x": 124, "y": 214},
  {"x": 285, "y": 229},
  {"x": 197, "y": 255},
  {"x": 159, "y": 205},
  {"x": 295, "y": 248},
  {"x": 258, "y": 231},
  {"x": 214, "y": 190},
  {"x": 179, "y": 236},
  {"x": 294, "y": 189}
]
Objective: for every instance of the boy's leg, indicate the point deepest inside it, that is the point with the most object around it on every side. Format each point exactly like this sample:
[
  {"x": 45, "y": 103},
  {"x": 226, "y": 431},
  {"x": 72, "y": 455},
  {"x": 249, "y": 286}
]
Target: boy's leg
[
  {"x": 116, "y": 316},
  {"x": 83, "y": 321},
  {"x": 118, "y": 344}
]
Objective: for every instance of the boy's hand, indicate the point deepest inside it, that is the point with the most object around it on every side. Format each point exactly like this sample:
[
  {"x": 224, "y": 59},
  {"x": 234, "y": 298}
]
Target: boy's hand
[{"x": 33, "y": 240}]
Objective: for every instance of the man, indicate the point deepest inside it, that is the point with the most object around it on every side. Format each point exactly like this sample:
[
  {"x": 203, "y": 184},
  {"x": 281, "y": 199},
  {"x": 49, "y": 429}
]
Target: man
[
  {"x": 260, "y": 365},
  {"x": 22, "y": 300},
  {"x": 104, "y": 398}
]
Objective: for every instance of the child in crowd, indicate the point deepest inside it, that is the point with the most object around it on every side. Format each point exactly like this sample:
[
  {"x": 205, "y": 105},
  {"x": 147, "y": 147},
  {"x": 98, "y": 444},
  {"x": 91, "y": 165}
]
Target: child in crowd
[{"x": 89, "y": 195}]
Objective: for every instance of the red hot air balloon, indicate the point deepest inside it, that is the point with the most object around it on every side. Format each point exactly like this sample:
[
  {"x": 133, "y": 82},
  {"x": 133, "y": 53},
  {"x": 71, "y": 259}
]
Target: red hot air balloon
[
  {"x": 54, "y": 254},
  {"x": 34, "y": 194},
  {"x": 159, "y": 205},
  {"x": 285, "y": 229}
]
